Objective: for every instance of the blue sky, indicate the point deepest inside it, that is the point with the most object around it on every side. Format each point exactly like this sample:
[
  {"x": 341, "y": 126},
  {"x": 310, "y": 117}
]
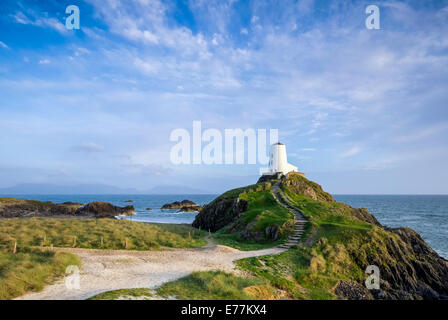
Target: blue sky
[{"x": 360, "y": 111}]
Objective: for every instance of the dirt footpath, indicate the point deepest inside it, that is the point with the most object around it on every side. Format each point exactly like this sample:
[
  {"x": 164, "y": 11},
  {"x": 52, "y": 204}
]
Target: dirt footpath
[{"x": 106, "y": 270}]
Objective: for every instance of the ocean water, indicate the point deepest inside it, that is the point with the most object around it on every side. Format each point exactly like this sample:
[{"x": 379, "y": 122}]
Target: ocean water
[
  {"x": 426, "y": 214},
  {"x": 140, "y": 203}
]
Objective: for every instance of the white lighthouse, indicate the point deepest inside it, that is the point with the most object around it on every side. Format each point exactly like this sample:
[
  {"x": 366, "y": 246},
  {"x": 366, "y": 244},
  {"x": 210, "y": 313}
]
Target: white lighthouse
[{"x": 278, "y": 161}]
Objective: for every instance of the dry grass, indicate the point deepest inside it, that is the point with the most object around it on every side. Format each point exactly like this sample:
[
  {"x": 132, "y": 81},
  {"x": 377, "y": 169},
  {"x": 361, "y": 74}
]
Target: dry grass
[{"x": 96, "y": 234}]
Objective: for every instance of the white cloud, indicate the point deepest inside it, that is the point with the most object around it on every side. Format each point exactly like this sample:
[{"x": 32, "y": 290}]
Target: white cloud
[
  {"x": 46, "y": 22},
  {"x": 88, "y": 147},
  {"x": 44, "y": 61},
  {"x": 3, "y": 45},
  {"x": 351, "y": 152}
]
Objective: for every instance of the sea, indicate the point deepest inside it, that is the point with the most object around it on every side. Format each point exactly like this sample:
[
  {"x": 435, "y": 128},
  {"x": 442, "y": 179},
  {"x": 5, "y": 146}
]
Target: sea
[{"x": 426, "y": 214}]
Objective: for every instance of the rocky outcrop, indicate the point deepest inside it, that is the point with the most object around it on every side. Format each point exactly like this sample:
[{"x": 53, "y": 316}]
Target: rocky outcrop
[
  {"x": 219, "y": 213},
  {"x": 20, "y": 208},
  {"x": 17, "y": 208},
  {"x": 179, "y": 205},
  {"x": 100, "y": 209},
  {"x": 410, "y": 268},
  {"x": 182, "y": 206},
  {"x": 191, "y": 209}
]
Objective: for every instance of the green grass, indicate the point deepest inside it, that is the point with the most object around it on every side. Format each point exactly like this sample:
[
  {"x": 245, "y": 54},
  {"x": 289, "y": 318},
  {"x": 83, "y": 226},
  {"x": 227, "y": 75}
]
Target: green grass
[
  {"x": 30, "y": 270},
  {"x": 234, "y": 240},
  {"x": 97, "y": 234},
  {"x": 216, "y": 285},
  {"x": 324, "y": 213},
  {"x": 116, "y": 294},
  {"x": 263, "y": 211},
  {"x": 309, "y": 271}
]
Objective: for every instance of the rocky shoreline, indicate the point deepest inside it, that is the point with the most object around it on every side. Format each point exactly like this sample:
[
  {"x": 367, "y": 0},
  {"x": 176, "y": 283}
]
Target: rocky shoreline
[{"x": 21, "y": 208}]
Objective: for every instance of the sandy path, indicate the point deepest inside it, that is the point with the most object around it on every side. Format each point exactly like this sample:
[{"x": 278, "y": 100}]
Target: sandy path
[{"x": 105, "y": 270}]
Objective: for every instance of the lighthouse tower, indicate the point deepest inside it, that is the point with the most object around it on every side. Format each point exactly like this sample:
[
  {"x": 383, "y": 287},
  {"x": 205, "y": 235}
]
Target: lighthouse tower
[{"x": 278, "y": 161}]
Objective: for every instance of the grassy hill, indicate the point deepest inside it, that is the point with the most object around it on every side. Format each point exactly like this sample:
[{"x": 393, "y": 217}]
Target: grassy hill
[
  {"x": 330, "y": 264},
  {"x": 241, "y": 217}
]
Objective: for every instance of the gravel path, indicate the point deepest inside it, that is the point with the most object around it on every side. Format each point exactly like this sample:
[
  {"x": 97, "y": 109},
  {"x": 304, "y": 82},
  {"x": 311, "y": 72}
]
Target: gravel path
[{"x": 106, "y": 270}]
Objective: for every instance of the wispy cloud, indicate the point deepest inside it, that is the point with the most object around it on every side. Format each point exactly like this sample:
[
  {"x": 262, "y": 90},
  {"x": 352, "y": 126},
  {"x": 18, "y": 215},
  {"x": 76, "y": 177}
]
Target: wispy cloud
[
  {"x": 352, "y": 151},
  {"x": 36, "y": 20},
  {"x": 88, "y": 147}
]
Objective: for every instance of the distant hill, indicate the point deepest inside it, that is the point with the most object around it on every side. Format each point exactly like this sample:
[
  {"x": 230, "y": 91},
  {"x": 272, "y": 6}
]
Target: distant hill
[{"x": 43, "y": 188}]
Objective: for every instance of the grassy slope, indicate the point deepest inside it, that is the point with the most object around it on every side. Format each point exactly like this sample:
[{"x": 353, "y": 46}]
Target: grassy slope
[
  {"x": 312, "y": 269},
  {"x": 215, "y": 285},
  {"x": 31, "y": 270},
  {"x": 263, "y": 211},
  {"x": 88, "y": 233}
]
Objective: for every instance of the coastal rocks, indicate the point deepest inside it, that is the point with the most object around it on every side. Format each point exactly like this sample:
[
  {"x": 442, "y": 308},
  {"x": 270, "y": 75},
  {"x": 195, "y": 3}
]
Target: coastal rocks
[
  {"x": 178, "y": 204},
  {"x": 17, "y": 208},
  {"x": 20, "y": 208},
  {"x": 182, "y": 206},
  {"x": 410, "y": 268},
  {"x": 219, "y": 213},
  {"x": 191, "y": 209},
  {"x": 352, "y": 290},
  {"x": 100, "y": 209},
  {"x": 148, "y": 209}
]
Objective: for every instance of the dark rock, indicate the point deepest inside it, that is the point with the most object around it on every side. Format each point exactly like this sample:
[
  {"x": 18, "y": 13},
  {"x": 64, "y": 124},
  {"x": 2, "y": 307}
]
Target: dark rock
[
  {"x": 352, "y": 290},
  {"x": 190, "y": 209},
  {"x": 272, "y": 233},
  {"x": 179, "y": 204},
  {"x": 250, "y": 233},
  {"x": 219, "y": 213},
  {"x": 100, "y": 209},
  {"x": 129, "y": 201},
  {"x": 69, "y": 203},
  {"x": 148, "y": 209},
  {"x": 19, "y": 208},
  {"x": 409, "y": 268}
]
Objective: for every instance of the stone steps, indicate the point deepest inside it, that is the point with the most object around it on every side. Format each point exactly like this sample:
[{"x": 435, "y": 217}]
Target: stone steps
[{"x": 300, "y": 221}]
